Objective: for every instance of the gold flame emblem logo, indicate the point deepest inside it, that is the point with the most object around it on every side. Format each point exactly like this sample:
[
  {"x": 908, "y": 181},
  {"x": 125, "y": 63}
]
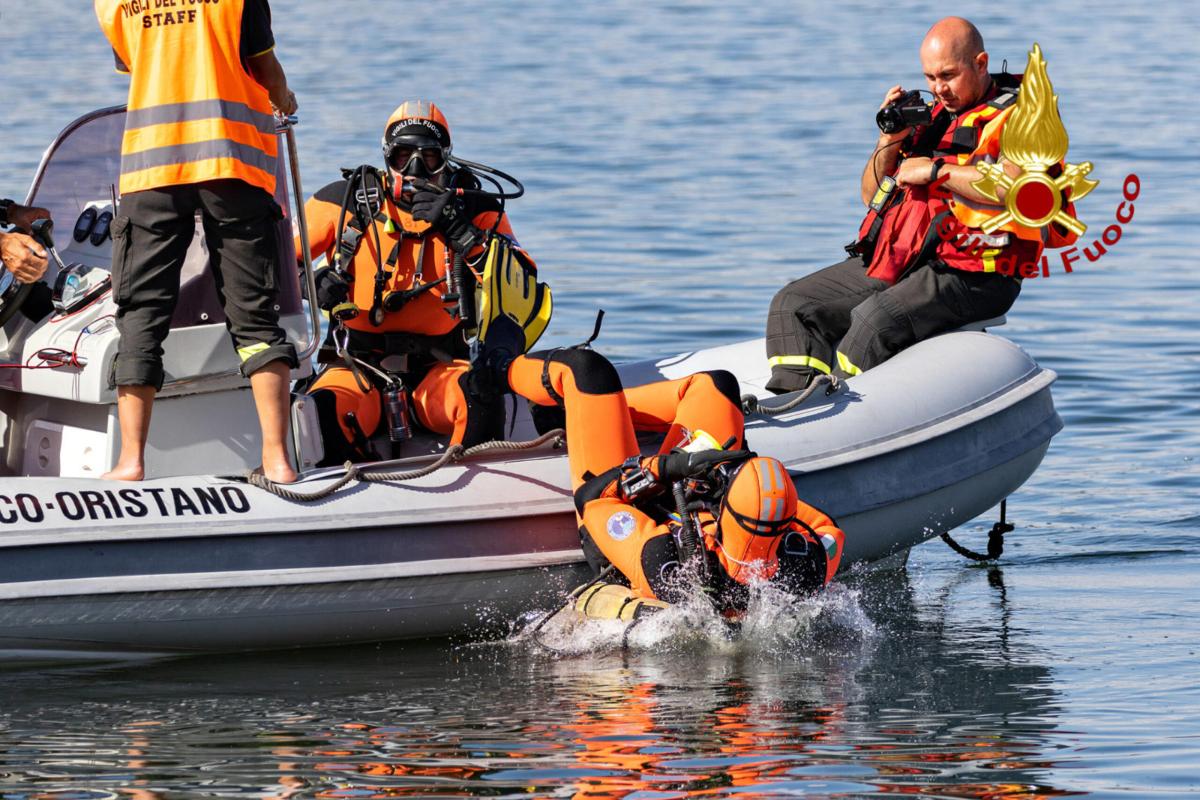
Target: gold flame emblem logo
[{"x": 1035, "y": 140}]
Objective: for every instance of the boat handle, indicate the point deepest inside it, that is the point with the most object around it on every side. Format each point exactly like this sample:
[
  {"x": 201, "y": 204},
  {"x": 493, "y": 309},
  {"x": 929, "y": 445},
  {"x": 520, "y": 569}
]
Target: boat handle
[{"x": 287, "y": 126}]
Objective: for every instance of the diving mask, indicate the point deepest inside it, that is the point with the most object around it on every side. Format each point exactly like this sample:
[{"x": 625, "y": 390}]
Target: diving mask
[{"x": 413, "y": 161}]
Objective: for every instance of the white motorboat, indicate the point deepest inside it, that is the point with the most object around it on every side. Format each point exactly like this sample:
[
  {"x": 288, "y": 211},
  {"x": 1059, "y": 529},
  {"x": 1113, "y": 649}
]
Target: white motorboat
[{"x": 198, "y": 560}]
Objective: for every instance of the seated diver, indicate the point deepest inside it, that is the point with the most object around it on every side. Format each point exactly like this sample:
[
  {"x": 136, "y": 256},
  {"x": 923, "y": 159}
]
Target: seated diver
[
  {"x": 749, "y": 523},
  {"x": 392, "y": 240}
]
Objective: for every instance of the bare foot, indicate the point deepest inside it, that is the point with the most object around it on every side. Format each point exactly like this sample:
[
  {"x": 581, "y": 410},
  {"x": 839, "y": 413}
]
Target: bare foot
[
  {"x": 125, "y": 472},
  {"x": 279, "y": 471}
]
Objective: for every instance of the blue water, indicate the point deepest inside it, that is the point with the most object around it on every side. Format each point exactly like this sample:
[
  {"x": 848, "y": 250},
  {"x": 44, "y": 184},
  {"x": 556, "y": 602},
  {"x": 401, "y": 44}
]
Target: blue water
[{"x": 683, "y": 160}]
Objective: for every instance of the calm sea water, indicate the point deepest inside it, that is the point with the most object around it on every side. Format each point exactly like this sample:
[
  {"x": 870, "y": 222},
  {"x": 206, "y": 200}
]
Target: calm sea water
[{"x": 683, "y": 160}]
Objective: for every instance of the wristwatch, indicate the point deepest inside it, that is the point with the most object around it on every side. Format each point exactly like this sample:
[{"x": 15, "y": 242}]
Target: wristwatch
[
  {"x": 4, "y": 206},
  {"x": 938, "y": 163}
]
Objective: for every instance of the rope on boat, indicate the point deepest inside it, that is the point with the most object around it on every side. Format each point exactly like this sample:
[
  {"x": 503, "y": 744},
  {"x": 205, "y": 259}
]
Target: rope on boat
[
  {"x": 455, "y": 453},
  {"x": 750, "y": 404},
  {"x": 995, "y": 547}
]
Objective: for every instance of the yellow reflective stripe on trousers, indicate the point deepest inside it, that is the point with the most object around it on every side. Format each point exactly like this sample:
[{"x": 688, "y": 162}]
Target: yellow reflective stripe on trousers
[
  {"x": 251, "y": 350},
  {"x": 799, "y": 361},
  {"x": 988, "y": 257},
  {"x": 846, "y": 366}
]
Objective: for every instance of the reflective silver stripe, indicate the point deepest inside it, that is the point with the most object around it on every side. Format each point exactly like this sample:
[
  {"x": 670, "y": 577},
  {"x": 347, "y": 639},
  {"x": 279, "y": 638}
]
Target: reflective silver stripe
[
  {"x": 197, "y": 151},
  {"x": 196, "y": 110}
]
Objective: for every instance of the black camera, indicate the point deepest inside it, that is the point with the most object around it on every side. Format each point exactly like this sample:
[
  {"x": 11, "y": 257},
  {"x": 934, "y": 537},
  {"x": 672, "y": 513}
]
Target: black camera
[{"x": 907, "y": 110}]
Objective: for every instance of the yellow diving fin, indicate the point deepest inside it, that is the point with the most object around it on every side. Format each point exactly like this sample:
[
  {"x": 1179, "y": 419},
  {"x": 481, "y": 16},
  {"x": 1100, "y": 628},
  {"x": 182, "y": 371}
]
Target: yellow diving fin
[{"x": 509, "y": 288}]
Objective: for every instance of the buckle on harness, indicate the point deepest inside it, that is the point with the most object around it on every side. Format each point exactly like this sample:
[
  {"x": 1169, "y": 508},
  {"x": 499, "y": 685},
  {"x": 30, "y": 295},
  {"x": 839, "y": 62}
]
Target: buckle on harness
[
  {"x": 348, "y": 245},
  {"x": 370, "y": 197},
  {"x": 636, "y": 480}
]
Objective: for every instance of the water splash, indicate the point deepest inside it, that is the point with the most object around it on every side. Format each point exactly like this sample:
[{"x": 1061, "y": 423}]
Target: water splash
[{"x": 775, "y": 622}]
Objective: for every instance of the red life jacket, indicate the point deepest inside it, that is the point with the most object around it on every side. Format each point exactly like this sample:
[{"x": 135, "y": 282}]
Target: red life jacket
[{"x": 914, "y": 225}]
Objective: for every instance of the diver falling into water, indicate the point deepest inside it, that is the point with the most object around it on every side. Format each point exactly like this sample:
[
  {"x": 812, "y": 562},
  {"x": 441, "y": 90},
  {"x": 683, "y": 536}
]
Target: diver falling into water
[{"x": 702, "y": 508}]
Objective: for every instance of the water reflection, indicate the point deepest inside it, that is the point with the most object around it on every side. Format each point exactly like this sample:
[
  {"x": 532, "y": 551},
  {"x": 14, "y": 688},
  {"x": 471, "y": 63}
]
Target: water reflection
[{"x": 930, "y": 703}]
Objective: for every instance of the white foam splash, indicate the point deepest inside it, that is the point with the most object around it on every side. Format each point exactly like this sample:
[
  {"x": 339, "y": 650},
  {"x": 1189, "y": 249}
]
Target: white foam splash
[{"x": 775, "y": 622}]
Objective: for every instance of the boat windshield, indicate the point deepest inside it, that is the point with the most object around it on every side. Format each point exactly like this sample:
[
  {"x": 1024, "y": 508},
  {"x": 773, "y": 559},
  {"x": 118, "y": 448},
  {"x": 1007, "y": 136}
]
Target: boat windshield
[{"x": 80, "y": 169}]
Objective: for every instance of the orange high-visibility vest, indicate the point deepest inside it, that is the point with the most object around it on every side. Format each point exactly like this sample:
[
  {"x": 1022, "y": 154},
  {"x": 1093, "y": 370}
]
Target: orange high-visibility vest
[
  {"x": 194, "y": 113},
  {"x": 971, "y": 214}
]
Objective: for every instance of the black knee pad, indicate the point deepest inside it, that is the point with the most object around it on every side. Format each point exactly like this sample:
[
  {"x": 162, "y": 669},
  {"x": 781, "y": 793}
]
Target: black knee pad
[
  {"x": 594, "y": 374},
  {"x": 726, "y": 384}
]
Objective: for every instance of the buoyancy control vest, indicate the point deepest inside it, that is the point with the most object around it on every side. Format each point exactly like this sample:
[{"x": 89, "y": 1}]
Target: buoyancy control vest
[{"x": 390, "y": 258}]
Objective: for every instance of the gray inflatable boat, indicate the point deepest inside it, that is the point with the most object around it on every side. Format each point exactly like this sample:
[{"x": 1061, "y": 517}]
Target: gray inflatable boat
[{"x": 198, "y": 560}]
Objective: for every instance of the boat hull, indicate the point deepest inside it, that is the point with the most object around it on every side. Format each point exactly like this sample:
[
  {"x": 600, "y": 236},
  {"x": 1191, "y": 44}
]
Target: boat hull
[{"x": 92, "y": 569}]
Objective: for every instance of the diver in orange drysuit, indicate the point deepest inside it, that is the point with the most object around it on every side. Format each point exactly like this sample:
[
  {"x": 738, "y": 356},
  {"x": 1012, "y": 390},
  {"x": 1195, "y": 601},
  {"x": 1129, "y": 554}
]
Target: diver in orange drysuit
[
  {"x": 391, "y": 247},
  {"x": 750, "y": 525}
]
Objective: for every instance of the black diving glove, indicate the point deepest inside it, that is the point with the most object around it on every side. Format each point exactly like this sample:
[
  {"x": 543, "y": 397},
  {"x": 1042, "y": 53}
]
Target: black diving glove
[
  {"x": 445, "y": 212},
  {"x": 677, "y": 466},
  {"x": 332, "y": 287}
]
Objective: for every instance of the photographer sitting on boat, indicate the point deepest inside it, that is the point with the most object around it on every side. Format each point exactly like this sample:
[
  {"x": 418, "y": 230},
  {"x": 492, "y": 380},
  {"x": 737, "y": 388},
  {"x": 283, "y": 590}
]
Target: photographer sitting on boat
[
  {"x": 921, "y": 264},
  {"x": 702, "y": 508},
  {"x": 405, "y": 249}
]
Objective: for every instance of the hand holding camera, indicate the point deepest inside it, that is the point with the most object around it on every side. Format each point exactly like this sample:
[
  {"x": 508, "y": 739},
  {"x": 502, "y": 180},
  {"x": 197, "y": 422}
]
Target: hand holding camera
[{"x": 900, "y": 111}]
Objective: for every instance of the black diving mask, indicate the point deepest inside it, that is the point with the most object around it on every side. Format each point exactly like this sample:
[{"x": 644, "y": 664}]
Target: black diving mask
[{"x": 412, "y": 161}]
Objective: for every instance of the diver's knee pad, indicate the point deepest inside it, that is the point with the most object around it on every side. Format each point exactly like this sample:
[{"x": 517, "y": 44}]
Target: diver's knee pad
[{"x": 594, "y": 374}]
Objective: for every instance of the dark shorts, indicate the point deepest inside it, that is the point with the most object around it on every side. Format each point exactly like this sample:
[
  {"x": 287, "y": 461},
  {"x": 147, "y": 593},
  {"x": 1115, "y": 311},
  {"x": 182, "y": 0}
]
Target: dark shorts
[{"x": 151, "y": 236}]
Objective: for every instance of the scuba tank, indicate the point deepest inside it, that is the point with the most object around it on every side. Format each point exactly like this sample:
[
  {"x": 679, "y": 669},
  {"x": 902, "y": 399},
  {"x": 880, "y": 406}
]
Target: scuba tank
[{"x": 612, "y": 601}]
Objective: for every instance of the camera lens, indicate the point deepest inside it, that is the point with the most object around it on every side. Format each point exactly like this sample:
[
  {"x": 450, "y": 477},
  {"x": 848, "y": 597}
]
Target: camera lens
[{"x": 889, "y": 119}]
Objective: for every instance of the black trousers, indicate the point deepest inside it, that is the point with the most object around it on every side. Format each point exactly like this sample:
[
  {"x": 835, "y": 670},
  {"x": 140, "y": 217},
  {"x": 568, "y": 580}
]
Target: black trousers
[
  {"x": 839, "y": 321},
  {"x": 151, "y": 235}
]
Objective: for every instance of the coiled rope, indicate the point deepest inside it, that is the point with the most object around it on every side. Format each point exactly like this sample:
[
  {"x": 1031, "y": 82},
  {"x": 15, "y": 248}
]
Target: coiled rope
[
  {"x": 455, "y": 453},
  {"x": 750, "y": 404}
]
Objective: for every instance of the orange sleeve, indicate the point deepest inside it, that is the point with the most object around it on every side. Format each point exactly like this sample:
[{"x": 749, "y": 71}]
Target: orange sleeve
[{"x": 322, "y": 219}]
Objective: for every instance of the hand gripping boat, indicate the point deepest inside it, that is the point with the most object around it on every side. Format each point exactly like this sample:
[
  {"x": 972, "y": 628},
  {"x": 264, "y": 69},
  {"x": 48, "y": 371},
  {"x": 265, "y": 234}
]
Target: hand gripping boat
[{"x": 198, "y": 560}]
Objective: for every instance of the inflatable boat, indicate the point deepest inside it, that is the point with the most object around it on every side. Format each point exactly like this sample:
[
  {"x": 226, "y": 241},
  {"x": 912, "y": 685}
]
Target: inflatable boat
[{"x": 197, "y": 559}]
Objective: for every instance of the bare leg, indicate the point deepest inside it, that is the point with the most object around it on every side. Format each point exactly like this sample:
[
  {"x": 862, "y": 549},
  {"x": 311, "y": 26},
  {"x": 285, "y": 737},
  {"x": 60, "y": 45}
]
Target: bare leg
[
  {"x": 134, "y": 404},
  {"x": 270, "y": 387}
]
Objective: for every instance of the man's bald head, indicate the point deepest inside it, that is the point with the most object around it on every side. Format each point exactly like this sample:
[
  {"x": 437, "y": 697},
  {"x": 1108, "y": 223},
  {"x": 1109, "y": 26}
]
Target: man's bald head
[
  {"x": 954, "y": 37},
  {"x": 955, "y": 63}
]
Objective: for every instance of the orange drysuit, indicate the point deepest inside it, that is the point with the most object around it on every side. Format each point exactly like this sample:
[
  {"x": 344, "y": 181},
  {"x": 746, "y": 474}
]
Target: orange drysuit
[
  {"x": 393, "y": 256},
  {"x": 601, "y": 419}
]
